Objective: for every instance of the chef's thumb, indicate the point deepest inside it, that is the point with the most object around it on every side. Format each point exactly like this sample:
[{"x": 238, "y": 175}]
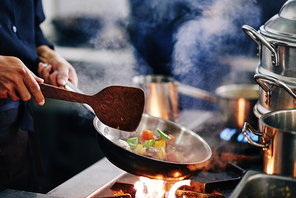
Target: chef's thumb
[
  {"x": 62, "y": 77},
  {"x": 62, "y": 81}
]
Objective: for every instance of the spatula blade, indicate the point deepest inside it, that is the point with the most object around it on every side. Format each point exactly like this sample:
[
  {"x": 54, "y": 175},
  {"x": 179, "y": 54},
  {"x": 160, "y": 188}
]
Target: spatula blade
[{"x": 120, "y": 107}]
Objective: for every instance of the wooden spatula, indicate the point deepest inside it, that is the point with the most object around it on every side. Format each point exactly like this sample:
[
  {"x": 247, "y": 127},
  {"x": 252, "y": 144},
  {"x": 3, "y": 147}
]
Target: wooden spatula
[{"x": 119, "y": 107}]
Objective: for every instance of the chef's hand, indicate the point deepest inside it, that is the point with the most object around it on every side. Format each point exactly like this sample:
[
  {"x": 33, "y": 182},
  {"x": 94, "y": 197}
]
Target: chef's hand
[
  {"x": 58, "y": 70},
  {"x": 18, "y": 82}
]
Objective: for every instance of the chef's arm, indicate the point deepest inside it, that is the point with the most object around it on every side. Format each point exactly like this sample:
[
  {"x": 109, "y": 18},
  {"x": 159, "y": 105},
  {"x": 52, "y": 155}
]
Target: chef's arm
[
  {"x": 17, "y": 81},
  {"x": 58, "y": 71}
]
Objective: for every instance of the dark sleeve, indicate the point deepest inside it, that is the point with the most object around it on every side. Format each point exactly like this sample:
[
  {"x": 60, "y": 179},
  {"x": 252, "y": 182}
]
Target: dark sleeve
[{"x": 39, "y": 18}]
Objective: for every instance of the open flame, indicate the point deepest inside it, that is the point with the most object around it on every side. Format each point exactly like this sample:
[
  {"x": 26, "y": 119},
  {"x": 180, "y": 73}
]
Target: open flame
[
  {"x": 177, "y": 185},
  {"x": 150, "y": 188}
]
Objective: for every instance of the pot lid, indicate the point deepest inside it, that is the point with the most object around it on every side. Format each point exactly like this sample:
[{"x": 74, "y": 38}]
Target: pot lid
[{"x": 282, "y": 25}]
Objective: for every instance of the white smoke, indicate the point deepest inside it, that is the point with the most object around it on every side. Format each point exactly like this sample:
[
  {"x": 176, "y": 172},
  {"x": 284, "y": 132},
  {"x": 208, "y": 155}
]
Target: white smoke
[{"x": 204, "y": 38}]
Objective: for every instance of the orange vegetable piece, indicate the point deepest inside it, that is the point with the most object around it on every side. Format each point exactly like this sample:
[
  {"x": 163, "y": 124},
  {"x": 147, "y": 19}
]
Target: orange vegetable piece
[{"x": 146, "y": 135}]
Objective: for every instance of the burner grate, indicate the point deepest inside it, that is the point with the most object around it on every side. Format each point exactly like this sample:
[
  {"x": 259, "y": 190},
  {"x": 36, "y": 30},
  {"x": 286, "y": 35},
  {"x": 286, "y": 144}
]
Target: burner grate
[{"x": 203, "y": 184}]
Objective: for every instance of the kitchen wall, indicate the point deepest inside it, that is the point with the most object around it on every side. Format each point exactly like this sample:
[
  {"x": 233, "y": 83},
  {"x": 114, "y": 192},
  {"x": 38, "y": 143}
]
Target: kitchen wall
[
  {"x": 94, "y": 8},
  {"x": 107, "y": 51}
]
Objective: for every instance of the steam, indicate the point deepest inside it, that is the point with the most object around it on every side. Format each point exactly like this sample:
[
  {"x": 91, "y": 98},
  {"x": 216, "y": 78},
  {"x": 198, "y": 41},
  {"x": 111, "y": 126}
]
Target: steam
[
  {"x": 200, "y": 42},
  {"x": 204, "y": 32}
]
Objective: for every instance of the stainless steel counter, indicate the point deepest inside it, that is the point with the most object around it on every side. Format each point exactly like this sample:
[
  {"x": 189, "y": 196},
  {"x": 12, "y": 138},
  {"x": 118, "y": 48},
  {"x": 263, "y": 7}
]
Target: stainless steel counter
[{"x": 88, "y": 181}]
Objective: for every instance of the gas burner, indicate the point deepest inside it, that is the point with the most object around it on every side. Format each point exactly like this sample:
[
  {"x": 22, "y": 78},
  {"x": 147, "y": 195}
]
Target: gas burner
[
  {"x": 229, "y": 134},
  {"x": 223, "y": 139},
  {"x": 200, "y": 184}
]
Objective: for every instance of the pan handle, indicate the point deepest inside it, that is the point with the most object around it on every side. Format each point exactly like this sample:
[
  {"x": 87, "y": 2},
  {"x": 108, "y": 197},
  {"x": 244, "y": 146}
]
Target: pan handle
[
  {"x": 254, "y": 35},
  {"x": 246, "y": 127}
]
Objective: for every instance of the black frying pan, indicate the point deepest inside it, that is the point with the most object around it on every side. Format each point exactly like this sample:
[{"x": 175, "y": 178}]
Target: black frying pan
[{"x": 148, "y": 167}]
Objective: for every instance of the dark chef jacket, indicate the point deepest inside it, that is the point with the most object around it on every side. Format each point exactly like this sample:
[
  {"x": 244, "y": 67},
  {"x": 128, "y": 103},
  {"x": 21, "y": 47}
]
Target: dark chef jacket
[{"x": 20, "y": 34}]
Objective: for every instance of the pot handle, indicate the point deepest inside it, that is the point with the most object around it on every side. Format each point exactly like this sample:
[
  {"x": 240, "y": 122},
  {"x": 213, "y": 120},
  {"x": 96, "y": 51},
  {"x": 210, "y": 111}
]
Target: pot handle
[
  {"x": 246, "y": 127},
  {"x": 261, "y": 79},
  {"x": 195, "y": 92},
  {"x": 254, "y": 35}
]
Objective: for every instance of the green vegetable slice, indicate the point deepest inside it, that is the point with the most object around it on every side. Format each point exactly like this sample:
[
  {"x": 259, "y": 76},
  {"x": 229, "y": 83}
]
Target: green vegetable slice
[
  {"x": 133, "y": 142},
  {"x": 148, "y": 143},
  {"x": 163, "y": 135}
]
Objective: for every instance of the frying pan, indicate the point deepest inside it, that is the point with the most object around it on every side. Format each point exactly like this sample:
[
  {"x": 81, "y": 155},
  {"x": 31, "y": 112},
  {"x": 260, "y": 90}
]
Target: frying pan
[
  {"x": 144, "y": 166},
  {"x": 149, "y": 167}
]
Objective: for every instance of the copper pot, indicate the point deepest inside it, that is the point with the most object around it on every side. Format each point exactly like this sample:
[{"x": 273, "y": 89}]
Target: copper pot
[{"x": 235, "y": 102}]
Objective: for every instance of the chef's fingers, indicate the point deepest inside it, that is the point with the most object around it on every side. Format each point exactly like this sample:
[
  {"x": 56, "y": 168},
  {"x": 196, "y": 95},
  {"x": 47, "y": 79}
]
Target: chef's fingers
[
  {"x": 44, "y": 71},
  {"x": 13, "y": 95},
  {"x": 17, "y": 81},
  {"x": 52, "y": 78},
  {"x": 62, "y": 76},
  {"x": 33, "y": 88},
  {"x": 73, "y": 77},
  {"x": 38, "y": 79},
  {"x": 8, "y": 90},
  {"x": 40, "y": 68},
  {"x": 23, "y": 87},
  {"x": 19, "y": 90},
  {"x": 65, "y": 72}
]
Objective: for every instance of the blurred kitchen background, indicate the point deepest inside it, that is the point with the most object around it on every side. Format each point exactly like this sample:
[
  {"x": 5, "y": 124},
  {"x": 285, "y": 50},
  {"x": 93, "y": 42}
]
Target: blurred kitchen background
[{"x": 109, "y": 42}]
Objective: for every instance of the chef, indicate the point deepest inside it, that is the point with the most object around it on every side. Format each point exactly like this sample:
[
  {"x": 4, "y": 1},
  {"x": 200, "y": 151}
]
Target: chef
[{"x": 23, "y": 52}]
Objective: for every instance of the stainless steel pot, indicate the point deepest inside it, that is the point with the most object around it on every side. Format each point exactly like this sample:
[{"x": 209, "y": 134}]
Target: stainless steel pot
[
  {"x": 276, "y": 72},
  {"x": 276, "y": 40},
  {"x": 276, "y": 93},
  {"x": 277, "y": 131}
]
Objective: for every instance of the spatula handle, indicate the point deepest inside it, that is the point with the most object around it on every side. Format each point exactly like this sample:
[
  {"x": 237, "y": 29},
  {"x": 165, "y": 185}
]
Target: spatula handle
[{"x": 50, "y": 91}]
